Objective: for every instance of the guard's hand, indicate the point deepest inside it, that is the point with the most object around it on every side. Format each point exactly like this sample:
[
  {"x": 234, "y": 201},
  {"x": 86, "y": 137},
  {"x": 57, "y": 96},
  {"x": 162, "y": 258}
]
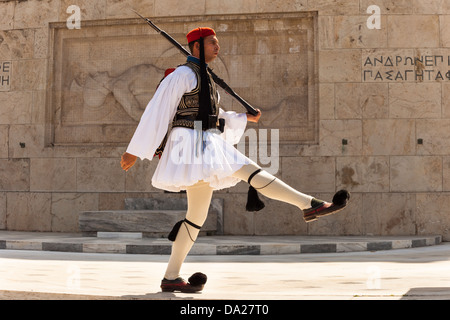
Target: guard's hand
[
  {"x": 127, "y": 161},
  {"x": 252, "y": 118}
]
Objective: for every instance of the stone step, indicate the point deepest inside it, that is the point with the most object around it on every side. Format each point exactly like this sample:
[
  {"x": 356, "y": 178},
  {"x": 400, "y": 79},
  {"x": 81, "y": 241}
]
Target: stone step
[
  {"x": 151, "y": 223},
  {"x": 153, "y": 217}
]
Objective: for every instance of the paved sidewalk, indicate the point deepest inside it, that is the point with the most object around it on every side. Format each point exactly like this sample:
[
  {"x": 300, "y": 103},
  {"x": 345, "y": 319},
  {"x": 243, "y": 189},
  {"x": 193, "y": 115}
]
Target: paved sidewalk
[{"x": 413, "y": 273}]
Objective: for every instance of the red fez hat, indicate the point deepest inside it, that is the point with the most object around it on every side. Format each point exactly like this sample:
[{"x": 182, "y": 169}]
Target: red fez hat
[
  {"x": 168, "y": 71},
  {"x": 198, "y": 33}
]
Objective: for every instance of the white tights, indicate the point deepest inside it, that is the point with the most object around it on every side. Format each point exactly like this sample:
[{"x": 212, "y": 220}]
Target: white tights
[{"x": 199, "y": 198}]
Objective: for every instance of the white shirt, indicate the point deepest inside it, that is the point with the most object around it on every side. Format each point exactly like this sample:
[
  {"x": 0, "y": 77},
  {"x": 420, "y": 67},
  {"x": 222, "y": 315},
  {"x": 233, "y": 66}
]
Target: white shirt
[{"x": 182, "y": 164}]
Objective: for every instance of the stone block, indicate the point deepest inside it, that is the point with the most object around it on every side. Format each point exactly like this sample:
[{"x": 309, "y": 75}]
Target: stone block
[
  {"x": 327, "y": 101},
  {"x": 238, "y": 250},
  {"x": 326, "y": 32},
  {"x": 16, "y": 44},
  {"x": 105, "y": 247},
  {"x": 119, "y": 235},
  {"x": 24, "y": 245},
  {"x": 352, "y": 32},
  {"x": 100, "y": 175},
  {"x": 62, "y": 247},
  {"x": 7, "y": 17},
  {"x": 16, "y": 107},
  {"x": 433, "y": 214},
  {"x": 272, "y": 249},
  {"x": 337, "y": 138},
  {"x": 2, "y": 211},
  {"x": 309, "y": 174},
  {"x": 120, "y": 9},
  {"x": 389, "y": 213},
  {"x": 446, "y": 173},
  {"x": 4, "y": 137},
  {"x": 418, "y": 31},
  {"x": 149, "y": 249},
  {"x": 91, "y": 10},
  {"x": 149, "y": 222},
  {"x": 318, "y": 248},
  {"x": 362, "y": 174},
  {"x": 333, "y": 136},
  {"x": 435, "y": 136},
  {"x": 416, "y": 174},
  {"x": 178, "y": 7},
  {"x": 29, "y": 211},
  {"x": 41, "y": 47},
  {"x": 35, "y": 14},
  {"x": 389, "y": 137},
  {"x": 15, "y": 175},
  {"x": 65, "y": 209},
  {"x": 380, "y": 245},
  {"x": 389, "y": 6},
  {"x": 29, "y": 75},
  {"x": 351, "y": 247},
  {"x": 53, "y": 174},
  {"x": 139, "y": 178},
  {"x": 279, "y": 218},
  {"x": 27, "y": 141},
  {"x": 361, "y": 100},
  {"x": 277, "y": 6},
  {"x": 444, "y": 27},
  {"x": 415, "y": 100},
  {"x": 431, "y": 7},
  {"x": 446, "y": 100},
  {"x": 332, "y": 7},
  {"x": 236, "y": 220},
  {"x": 214, "y": 221},
  {"x": 339, "y": 66},
  {"x": 230, "y": 6}
]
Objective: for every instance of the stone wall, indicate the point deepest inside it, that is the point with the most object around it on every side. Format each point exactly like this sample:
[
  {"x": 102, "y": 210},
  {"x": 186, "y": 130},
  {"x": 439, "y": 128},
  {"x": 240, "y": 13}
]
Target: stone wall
[{"x": 376, "y": 124}]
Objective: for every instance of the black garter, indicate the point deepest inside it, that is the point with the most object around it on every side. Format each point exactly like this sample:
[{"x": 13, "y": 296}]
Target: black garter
[{"x": 173, "y": 234}]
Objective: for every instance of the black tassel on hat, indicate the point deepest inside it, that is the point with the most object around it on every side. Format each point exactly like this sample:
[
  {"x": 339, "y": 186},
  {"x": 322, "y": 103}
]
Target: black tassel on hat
[{"x": 205, "y": 108}]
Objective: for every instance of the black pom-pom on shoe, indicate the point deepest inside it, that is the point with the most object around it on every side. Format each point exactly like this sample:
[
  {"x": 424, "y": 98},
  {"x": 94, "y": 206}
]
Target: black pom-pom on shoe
[
  {"x": 341, "y": 198},
  {"x": 198, "y": 279}
]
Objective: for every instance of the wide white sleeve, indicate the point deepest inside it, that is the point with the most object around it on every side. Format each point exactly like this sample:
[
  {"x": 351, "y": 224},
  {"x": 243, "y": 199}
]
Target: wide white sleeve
[
  {"x": 160, "y": 111},
  {"x": 235, "y": 124}
]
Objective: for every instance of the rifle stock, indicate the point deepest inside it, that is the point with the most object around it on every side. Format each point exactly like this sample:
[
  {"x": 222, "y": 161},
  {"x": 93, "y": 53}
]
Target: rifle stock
[{"x": 220, "y": 82}]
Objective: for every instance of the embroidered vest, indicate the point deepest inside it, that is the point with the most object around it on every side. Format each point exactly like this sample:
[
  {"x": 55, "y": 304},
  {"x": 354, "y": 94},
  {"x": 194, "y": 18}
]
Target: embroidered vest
[
  {"x": 188, "y": 108},
  {"x": 189, "y": 105}
]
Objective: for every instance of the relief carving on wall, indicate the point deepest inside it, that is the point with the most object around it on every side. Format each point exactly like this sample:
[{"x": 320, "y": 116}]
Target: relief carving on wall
[{"x": 103, "y": 75}]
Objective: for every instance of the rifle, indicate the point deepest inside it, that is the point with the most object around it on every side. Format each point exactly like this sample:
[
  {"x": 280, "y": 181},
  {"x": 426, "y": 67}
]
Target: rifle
[{"x": 220, "y": 82}]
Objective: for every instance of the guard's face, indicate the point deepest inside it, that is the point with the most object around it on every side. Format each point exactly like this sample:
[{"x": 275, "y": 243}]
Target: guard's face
[{"x": 212, "y": 48}]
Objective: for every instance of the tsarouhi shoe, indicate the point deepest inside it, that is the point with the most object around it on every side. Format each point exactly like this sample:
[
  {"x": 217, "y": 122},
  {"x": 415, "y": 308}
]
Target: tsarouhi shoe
[
  {"x": 321, "y": 208},
  {"x": 196, "y": 284}
]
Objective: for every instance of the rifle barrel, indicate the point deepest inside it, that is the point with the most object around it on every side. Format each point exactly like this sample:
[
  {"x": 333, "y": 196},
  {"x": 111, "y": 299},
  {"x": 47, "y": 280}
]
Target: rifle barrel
[{"x": 216, "y": 79}]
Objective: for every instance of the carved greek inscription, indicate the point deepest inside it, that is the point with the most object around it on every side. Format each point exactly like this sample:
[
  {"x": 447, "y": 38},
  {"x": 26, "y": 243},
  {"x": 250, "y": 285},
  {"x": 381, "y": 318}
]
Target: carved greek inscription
[
  {"x": 5, "y": 75},
  {"x": 377, "y": 68}
]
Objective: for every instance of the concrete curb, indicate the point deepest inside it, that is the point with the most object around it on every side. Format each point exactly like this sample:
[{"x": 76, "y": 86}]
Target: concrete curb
[{"x": 213, "y": 245}]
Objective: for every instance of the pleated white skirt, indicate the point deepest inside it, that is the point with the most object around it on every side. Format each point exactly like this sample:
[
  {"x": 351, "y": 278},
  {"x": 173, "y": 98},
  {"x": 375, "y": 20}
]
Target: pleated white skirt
[{"x": 191, "y": 156}]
